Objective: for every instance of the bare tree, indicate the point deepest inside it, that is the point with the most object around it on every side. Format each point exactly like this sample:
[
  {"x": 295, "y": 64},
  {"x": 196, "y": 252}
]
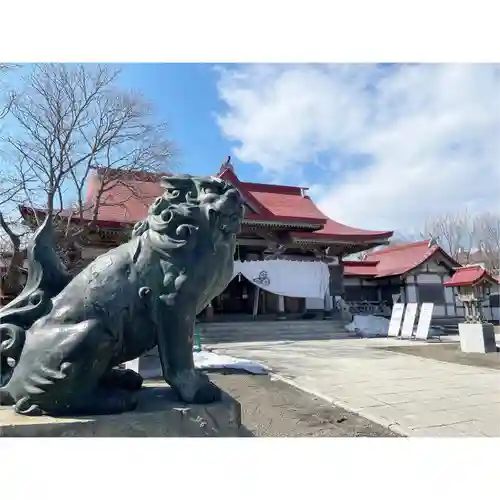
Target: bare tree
[
  {"x": 398, "y": 238},
  {"x": 70, "y": 119},
  {"x": 11, "y": 254},
  {"x": 7, "y": 96},
  {"x": 488, "y": 235},
  {"x": 455, "y": 233},
  {"x": 468, "y": 238}
]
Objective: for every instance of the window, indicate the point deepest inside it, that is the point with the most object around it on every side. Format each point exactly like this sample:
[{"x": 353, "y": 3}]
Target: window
[
  {"x": 495, "y": 300},
  {"x": 360, "y": 293},
  {"x": 387, "y": 291},
  {"x": 431, "y": 292},
  {"x": 352, "y": 293}
]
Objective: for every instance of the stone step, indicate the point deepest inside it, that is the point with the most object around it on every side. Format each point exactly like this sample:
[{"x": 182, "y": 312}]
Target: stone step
[
  {"x": 274, "y": 325},
  {"x": 270, "y": 331},
  {"x": 241, "y": 332},
  {"x": 276, "y": 331},
  {"x": 271, "y": 338}
]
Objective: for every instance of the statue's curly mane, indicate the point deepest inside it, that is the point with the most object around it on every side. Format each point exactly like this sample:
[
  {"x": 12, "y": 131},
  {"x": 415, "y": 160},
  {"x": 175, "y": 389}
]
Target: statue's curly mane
[
  {"x": 144, "y": 293},
  {"x": 184, "y": 208}
]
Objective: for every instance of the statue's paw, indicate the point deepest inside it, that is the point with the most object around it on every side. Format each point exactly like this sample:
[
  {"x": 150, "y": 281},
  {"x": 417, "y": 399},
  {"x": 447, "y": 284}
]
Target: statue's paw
[
  {"x": 117, "y": 401},
  {"x": 193, "y": 386},
  {"x": 121, "y": 378},
  {"x": 207, "y": 393}
]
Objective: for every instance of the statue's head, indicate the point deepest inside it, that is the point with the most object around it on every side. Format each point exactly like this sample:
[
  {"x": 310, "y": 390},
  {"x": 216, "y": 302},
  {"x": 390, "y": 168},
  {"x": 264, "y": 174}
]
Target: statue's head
[{"x": 193, "y": 211}]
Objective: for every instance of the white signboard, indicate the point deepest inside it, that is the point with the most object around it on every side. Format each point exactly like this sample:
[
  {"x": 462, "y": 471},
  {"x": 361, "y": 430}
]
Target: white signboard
[
  {"x": 424, "y": 321},
  {"x": 396, "y": 319},
  {"x": 409, "y": 319}
]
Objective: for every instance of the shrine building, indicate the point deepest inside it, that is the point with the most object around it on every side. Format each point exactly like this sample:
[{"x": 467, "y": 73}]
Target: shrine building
[{"x": 281, "y": 224}]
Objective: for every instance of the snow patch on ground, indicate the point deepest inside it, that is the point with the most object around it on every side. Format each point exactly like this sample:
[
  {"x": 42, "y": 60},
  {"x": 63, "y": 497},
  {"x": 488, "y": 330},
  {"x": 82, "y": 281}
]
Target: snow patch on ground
[
  {"x": 205, "y": 360},
  {"x": 369, "y": 325}
]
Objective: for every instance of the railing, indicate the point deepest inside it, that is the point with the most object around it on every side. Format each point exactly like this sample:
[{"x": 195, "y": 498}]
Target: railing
[{"x": 368, "y": 307}]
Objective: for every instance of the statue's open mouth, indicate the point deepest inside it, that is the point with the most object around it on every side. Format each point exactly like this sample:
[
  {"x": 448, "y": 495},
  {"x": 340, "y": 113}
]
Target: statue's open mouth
[{"x": 230, "y": 224}]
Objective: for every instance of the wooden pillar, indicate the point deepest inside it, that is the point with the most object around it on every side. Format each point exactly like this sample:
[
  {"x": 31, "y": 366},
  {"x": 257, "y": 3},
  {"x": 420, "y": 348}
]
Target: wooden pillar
[
  {"x": 281, "y": 307},
  {"x": 209, "y": 312},
  {"x": 328, "y": 306},
  {"x": 256, "y": 302}
]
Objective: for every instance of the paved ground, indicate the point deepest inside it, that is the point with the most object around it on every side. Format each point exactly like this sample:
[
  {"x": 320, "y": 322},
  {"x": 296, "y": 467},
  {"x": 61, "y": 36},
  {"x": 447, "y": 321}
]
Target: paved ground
[
  {"x": 451, "y": 353},
  {"x": 412, "y": 395},
  {"x": 271, "y": 408}
]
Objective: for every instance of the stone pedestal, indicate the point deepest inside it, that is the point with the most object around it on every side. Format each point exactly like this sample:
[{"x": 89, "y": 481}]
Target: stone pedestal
[
  {"x": 157, "y": 415},
  {"x": 477, "y": 337}
]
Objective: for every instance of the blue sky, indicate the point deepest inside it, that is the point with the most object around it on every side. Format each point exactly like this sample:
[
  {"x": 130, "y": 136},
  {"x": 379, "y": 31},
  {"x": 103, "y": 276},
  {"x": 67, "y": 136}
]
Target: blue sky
[{"x": 185, "y": 95}]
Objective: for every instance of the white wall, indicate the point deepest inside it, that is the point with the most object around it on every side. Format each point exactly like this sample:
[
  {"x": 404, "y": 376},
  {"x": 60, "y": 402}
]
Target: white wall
[
  {"x": 432, "y": 272},
  {"x": 411, "y": 293},
  {"x": 428, "y": 278}
]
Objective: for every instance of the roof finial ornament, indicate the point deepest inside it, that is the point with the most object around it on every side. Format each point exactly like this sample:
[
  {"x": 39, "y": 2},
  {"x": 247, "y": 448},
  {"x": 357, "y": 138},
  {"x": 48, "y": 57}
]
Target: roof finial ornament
[{"x": 226, "y": 165}]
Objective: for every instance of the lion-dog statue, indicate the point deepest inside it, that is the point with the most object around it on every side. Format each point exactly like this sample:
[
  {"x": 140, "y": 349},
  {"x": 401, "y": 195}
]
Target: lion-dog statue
[{"x": 62, "y": 340}]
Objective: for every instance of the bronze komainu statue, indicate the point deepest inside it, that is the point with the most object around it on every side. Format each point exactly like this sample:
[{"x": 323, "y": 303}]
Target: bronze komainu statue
[{"x": 62, "y": 339}]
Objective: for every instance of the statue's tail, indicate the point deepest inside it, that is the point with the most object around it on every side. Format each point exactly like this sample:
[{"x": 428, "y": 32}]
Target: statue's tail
[{"x": 47, "y": 276}]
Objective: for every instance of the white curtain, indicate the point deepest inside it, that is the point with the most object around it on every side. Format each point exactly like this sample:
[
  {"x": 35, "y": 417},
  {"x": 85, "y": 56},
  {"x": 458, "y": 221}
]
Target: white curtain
[{"x": 286, "y": 277}]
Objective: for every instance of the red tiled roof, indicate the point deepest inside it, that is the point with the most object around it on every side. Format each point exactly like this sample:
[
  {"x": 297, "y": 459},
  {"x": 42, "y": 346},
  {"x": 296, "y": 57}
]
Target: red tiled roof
[
  {"x": 127, "y": 202},
  {"x": 360, "y": 268},
  {"x": 124, "y": 202},
  {"x": 470, "y": 275},
  {"x": 286, "y": 203},
  {"x": 393, "y": 261},
  {"x": 341, "y": 231},
  {"x": 276, "y": 203}
]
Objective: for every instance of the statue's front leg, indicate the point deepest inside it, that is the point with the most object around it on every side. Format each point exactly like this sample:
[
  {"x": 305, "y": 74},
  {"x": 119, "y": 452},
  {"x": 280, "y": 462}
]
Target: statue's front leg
[{"x": 175, "y": 346}]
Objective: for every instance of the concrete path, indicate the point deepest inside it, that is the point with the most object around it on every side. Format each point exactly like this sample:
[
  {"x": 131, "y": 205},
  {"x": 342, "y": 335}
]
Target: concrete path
[{"x": 410, "y": 395}]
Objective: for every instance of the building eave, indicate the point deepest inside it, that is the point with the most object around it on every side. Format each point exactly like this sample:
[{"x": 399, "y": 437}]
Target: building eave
[
  {"x": 280, "y": 223},
  {"x": 332, "y": 240}
]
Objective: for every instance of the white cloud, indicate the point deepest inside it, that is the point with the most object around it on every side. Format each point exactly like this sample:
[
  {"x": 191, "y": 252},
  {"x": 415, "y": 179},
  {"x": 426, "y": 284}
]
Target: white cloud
[{"x": 429, "y": 135}]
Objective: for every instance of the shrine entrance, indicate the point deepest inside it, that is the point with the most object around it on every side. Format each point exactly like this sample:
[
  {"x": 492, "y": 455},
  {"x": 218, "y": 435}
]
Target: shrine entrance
[{"x": 237, "y": 298}]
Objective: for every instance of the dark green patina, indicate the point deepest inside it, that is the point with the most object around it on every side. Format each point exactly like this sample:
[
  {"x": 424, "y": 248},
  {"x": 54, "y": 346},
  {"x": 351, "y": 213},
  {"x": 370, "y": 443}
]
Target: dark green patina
[{"x": 62, "y": 339}]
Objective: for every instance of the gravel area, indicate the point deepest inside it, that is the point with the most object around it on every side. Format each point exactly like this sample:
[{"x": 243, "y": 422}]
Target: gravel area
[
  {"x": 451, "y": 353},
  {"x": 272, "y": 408}
]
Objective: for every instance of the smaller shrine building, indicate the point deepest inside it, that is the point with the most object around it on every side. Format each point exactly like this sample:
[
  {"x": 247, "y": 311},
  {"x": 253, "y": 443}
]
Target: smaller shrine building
[{"x": 413, "y": 272}]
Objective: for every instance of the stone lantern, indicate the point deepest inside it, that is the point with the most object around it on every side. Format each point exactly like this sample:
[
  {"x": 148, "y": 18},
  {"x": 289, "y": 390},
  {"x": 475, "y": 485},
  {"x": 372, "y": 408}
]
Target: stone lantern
[{"x": 473, "y": 286}]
